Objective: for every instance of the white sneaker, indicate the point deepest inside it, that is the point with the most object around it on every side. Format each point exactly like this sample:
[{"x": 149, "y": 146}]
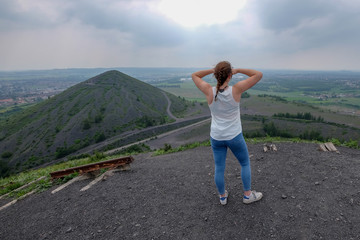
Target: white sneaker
[
  {"x": 223, "y": 200},
  {"x": 253, "y": 197}
]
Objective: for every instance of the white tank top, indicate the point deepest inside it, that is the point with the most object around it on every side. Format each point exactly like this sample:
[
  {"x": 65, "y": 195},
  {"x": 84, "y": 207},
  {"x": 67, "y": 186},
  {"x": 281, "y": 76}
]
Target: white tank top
[{"x": 225, "y": 116}]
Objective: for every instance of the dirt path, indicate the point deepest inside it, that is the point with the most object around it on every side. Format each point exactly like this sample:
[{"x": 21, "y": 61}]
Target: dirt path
[
  {"x": 168, "y": 108},
  {"x": 308, "y": 194}
]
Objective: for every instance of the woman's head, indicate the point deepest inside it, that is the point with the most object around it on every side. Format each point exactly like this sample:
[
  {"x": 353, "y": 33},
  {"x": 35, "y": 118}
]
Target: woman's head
[{"x": 222, "y": 71}]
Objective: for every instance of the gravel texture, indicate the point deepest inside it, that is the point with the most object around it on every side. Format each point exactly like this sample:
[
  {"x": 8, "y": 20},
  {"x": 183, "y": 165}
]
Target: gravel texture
[{"x": 308, "y": 194}]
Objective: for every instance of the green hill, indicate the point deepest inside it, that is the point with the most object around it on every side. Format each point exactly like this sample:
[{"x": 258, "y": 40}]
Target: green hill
[{"x": 89, "y": 112}]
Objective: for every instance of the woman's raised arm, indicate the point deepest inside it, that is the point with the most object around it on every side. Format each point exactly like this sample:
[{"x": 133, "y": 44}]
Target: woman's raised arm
[
  {"x": 202, "y": 85},
  {"x": 242, "y": 86}
]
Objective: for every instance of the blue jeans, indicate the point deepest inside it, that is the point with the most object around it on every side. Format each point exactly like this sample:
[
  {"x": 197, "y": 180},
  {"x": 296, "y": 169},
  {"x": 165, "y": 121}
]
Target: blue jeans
[{"x": 238, "y": 146}]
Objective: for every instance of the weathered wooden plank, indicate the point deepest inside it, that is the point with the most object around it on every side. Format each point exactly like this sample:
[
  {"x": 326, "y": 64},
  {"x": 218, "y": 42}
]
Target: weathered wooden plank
[
  {"x": 113, "y": 163},
  {"x": 330, "y": 146},
  {"x": 105, "y": 175},
  {"x": 322, "y": 147},
  {"x": 96, "y": 180},
  {"x": 78, "y": 178},
  {"x": 14, "y": 201}
]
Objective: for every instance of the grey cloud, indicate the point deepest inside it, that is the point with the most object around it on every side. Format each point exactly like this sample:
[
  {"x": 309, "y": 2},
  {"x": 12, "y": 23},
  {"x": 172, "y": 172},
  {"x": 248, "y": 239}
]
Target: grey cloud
[
  {"x": 10, "y": 18},
  {"x": 13, "y": 16},
  {"x": 264, "y": 29},
  {"x": 300, "y": 25},
  {"x": 340, "y": 29},
  {"x": 280, "y": 15},
  {"x": 145, "y": 28}
]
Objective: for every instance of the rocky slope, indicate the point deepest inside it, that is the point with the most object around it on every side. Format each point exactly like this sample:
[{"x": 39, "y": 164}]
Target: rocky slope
[{"x": 308, "y": 194}]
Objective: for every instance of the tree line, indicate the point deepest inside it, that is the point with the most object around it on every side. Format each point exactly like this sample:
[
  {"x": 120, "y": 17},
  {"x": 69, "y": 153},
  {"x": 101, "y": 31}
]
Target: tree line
[{"x": 304, "y": 116}]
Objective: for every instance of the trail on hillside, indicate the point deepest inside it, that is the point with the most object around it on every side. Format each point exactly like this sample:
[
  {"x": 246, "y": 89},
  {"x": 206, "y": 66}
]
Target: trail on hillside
[{"x": 168, "y": 108}]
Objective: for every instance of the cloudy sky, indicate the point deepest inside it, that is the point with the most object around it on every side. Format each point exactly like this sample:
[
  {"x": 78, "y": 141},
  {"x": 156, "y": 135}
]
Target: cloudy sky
[{"x": 266, "y": 34}]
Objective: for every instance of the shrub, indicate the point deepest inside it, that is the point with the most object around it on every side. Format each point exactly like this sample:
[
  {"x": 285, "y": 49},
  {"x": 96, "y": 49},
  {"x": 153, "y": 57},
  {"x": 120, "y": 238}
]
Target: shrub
[
  {"x": 133, "y": 149},
  {"x": 97, "y": 156},
  {"x": 57, "y": 129},
  {"x": 255, "y": 134},
  {"x": 99, "y": 137},
  {"x": 312, "y": 135},
  {"x": 98, "y": 118},
  {"x": 245, "y": 95},
  {"x": 84, "y": 155},
  {"x": 271, "y": 130},
  {"x": 86, "y": 124},
  {"x": 352, "y": 144},
  {"x": 61, "y": 152},
  {"x": 4, "y": 169},
  {"x": 6, "y": 154},
  {"x": 167, "y": 147},
  {"x": 335, "y": 141}
]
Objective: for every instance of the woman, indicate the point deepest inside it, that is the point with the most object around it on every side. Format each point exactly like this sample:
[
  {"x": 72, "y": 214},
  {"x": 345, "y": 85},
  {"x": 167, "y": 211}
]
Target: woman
[{"x": 226, "y": 129}]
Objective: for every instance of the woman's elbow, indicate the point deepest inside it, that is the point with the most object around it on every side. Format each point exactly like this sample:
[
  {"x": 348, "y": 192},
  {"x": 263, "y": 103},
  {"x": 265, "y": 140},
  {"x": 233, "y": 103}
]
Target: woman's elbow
[{"x": 194, "y": 76}]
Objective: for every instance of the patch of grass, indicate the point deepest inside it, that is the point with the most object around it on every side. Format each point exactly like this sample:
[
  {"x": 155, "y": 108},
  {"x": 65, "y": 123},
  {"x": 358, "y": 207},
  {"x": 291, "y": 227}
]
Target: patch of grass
[
  {"x": 168, "y": 149},
  {"x": 277, "y": 139},
  {"x": 22, "y": 192},
  {"x": 350, "y": 143},
  {"x": 63, "y": 180},
  {"x": 134, "y": 149},
  {"x": 13, "y": 182}
]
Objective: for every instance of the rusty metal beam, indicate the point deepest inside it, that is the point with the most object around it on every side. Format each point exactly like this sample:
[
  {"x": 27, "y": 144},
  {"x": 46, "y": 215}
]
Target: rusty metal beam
[{"x": 113, "y": 163}]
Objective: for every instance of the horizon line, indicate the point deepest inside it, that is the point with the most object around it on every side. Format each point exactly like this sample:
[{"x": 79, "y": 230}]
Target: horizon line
[{"x": 114, "y": 68}]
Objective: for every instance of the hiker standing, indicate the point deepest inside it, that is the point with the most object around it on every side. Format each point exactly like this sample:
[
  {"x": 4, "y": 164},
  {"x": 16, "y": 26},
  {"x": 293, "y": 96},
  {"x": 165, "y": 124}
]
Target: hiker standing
[{"x": 226, "y": 129}]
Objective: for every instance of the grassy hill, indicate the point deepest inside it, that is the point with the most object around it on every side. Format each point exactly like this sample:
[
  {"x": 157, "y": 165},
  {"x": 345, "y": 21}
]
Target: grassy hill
[{"x": 89, "y": 112}]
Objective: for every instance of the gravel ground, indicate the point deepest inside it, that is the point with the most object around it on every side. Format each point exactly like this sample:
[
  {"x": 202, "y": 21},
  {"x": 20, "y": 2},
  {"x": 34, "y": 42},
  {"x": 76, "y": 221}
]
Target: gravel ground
[{"x": 308, "y": 194}]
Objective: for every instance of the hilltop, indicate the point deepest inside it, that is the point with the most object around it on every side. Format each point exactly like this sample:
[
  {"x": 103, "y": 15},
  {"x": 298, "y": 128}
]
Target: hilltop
[
  {"x": 89, "y": 112},
  {"x": 308, "y": 194}
]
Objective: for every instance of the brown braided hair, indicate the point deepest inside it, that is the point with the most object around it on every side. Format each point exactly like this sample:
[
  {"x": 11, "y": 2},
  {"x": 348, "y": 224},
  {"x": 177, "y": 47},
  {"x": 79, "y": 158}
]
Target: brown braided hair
[{"x": 222, "y": 71}]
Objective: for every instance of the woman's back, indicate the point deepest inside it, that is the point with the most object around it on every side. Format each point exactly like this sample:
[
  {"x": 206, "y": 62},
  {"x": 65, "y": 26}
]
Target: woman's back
[{"x": 225, "y": 112}]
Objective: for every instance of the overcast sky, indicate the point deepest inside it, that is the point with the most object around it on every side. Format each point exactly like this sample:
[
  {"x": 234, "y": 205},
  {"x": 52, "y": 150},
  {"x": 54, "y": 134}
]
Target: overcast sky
[{"x": 265, "y": 34}]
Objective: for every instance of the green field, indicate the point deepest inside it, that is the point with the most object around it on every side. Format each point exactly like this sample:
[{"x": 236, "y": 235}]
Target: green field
[
  {"x": 344, "y": 104},
  {"x": 184, "y": 89},
  {"x": 268, "y": 106},
  {"x": 339, "y": 109},
  {"x": 343, "y": 108}
]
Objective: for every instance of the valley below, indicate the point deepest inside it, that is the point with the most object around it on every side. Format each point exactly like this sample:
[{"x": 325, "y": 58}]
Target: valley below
[
  {"x": 168, "y": 193},
  {"x": 330, "y": 101}
]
